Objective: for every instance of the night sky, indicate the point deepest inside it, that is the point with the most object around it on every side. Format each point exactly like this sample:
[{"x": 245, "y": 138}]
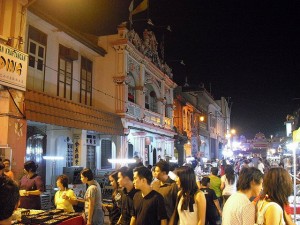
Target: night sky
[{"x": 247, "y": 50}]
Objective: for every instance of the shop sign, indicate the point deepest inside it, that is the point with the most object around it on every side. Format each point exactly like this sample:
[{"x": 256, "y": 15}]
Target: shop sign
[
  {"x": 296, "y": 135},
  {"x": 13, "y": 67}
]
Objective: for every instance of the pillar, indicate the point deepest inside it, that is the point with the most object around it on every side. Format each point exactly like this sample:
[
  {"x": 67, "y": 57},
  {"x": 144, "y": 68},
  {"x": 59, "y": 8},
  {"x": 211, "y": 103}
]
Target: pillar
[{"x": 13, "y": 128}]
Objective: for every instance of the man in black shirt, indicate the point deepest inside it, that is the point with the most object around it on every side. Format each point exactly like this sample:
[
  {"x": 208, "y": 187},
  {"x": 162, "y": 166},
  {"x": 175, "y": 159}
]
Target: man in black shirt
[
  {"x": 212, "y": 203},
  {"x": 125, "y": 177},
  {"x": 149, "y": 205},
  {"x": 165, "y": 186}
]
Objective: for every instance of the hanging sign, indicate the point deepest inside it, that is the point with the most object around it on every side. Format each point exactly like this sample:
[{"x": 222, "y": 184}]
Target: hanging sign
[
  {"x": 296, "y": 135},
  {"x": 13, "y": 67}
]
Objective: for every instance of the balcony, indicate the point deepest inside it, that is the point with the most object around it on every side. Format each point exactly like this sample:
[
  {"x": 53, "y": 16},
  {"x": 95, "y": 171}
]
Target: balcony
[{"x": 135, "y": 111}]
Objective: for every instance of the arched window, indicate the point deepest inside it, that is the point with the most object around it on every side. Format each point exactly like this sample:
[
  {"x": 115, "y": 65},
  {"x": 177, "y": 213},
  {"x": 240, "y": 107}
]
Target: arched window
[{"x": 150, "y": 99}]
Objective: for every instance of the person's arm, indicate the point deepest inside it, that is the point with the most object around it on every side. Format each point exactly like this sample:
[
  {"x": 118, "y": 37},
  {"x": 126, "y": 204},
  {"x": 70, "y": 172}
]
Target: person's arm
[
  {"x": 201, "y": 207},
  {"x": 132, "y": 220},
  {"x": 119, "y": 220},
  {"x": 163, "y": 222},
  {"x": 289, "y": 220},
  {"x": 35, "y": 192},
  {"x": 222, "y": 186},
  {"x": 90, "y": 210},
  {"x": 71, "y": 197},
  {"x": 217, "y": 204}
]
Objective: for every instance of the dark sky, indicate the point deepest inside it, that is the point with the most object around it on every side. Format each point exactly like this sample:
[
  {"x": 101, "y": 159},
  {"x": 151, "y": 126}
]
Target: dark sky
[{"x": 247, "y": 50}]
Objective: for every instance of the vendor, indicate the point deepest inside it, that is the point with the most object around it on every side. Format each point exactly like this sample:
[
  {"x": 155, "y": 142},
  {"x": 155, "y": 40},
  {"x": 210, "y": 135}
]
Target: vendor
[
  {"x": 65, "y": 197},
  {"x": 31, "y": 187}
]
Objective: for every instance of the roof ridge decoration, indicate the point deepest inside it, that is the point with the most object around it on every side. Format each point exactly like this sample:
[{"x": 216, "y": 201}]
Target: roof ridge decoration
[{"x": 148, "y": 47}]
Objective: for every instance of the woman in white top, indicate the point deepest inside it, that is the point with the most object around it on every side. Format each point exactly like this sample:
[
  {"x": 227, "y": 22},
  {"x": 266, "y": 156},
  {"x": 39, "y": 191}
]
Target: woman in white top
[
  {"x": 191, "y": 202},
  {"x": 228, "y": 182},
  {"x": 277, "y": 187}
]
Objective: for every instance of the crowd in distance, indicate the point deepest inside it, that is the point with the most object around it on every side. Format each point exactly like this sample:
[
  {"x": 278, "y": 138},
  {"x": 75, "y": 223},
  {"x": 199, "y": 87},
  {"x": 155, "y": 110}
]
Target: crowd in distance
[{"x": 162, "y": 195}]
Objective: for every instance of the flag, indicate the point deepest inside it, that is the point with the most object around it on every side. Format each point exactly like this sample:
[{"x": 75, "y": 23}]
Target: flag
[
  {"x": 131, "y": 6},
  {"x": 141, "y": 7},
  {"x": 130, "y": 11}
]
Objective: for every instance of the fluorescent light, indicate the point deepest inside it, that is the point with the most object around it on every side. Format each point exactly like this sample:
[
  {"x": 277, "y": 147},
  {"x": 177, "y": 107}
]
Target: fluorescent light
[
  {"x": 121, "y": 161},
  {"x": 173, "y": 160},
  {"x": 53, "y": 157}
]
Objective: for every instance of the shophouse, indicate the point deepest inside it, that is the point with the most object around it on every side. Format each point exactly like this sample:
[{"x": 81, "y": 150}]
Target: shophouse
[
  {"x": 143, "y": 90},
  {"x": 202, "y": 120},
  {"x": 63, "y": 110}
]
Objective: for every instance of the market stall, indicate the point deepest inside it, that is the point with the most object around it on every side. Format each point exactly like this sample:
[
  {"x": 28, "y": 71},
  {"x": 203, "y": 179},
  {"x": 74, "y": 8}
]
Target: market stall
[{"x": 50, "y": 217}]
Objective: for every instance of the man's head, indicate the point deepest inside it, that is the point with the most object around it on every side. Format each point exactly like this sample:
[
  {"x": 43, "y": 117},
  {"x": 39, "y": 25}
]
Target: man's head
[
  {"x": 9, "y": 197},
  {"x": 214, "y": 171},
  {"x": 162, "y": 168},
  {"x": 142, "y": 177},
  {"x": 205, "y": 181},
  {"x": 250, "y": 179},
  {"x": 6, "y": 163},
  {"x": 125, "y": 175}
]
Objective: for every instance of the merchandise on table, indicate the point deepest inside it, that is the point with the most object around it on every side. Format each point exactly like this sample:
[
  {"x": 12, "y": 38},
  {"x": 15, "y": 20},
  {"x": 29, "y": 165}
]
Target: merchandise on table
[{"x": 55, "y": 216}]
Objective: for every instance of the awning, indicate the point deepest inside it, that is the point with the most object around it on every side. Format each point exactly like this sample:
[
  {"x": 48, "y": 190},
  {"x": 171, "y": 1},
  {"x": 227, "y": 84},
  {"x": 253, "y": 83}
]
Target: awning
[{"x": 41, "y": 107}]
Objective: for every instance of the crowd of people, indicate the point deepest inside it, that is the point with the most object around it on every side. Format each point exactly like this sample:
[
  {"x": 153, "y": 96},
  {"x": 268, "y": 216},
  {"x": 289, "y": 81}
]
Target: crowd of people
[{"x": 157, "y": 196}]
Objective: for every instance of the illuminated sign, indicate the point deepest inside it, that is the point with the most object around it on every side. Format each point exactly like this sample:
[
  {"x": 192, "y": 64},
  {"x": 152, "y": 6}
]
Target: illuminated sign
[{"x": 13, "y": 67}]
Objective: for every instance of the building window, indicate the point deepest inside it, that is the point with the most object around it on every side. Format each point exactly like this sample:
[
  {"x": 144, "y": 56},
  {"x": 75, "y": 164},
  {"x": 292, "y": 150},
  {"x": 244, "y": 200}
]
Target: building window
[
  {"x": 106, "y": 153},
  {"x": 37, "y": 42},
  {"x": 65, "y": 75},
  {"x": 131, "y": 88},
  {"x": 151, "y": 101},
  {"x": 86, "y": 81}
]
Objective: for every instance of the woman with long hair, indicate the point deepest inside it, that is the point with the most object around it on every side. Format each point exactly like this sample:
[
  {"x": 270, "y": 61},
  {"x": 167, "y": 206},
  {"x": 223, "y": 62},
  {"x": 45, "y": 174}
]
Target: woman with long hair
[
  {"x": 228, "y": 183},
  {"x": 191, "y": 203},
  {"x": 92, "y": 199},
  {"x": 114, "y": 209},
  {"x": 277, "y": 187}
]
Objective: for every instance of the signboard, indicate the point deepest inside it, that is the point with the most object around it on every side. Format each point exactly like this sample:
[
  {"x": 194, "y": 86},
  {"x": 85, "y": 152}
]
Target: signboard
[
  {"x": 13, "y": 67},
  {"x": 296, "y": 135}
]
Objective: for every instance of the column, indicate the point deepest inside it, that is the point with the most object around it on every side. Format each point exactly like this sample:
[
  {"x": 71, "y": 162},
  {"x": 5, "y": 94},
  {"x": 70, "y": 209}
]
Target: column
[
  {"x": 139, "y": 145},
  {"x": 13, "y": 128}
]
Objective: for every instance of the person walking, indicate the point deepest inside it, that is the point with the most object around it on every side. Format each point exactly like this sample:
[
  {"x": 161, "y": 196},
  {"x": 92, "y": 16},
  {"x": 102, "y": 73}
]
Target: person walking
[
  {"x": 277, "y": 187},
  {"x": 213, "y": 209},
  {"x": 149, "y": 205},
  {"x": 92, "y": 199},
  {"x": 31, "y": 187},
  {"x": 215, "y": 183},
  {"x": 238, "y": 209},
  {"x": 165, "y": 186},
  {"x": 191, "y": 202},
  {"x": 228, "y": 183},
  {"x": 125, "y": 180},
  {"x": 114, "y": 209}
]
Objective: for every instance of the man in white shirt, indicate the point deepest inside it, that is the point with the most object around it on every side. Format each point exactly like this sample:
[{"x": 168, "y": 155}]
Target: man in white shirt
[{"x": 238, "y": 209}]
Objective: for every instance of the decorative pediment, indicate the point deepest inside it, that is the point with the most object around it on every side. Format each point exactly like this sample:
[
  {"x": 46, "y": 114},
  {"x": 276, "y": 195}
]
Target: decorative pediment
[{"x": 148, "y": 46}]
